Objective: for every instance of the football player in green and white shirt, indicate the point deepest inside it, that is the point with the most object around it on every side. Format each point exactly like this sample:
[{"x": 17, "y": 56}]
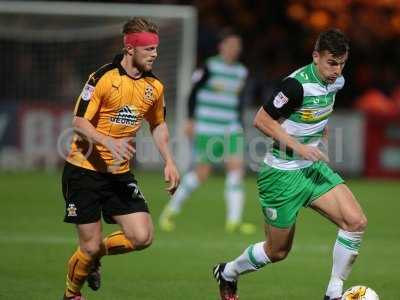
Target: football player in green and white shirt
[
  {"x": 214, "y": 123},
  {"x": 295, "y": 173}
]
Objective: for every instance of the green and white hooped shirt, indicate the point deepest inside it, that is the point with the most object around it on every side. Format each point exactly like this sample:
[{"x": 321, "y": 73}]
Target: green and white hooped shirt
[
  {"x": 214, "y": 102},
  {"x": 305, "y": 102}
]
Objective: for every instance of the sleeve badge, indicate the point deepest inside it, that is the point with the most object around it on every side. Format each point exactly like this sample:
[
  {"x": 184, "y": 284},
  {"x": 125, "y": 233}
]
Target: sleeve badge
[
  {"x": 87, "y": 92},
  {"x": 280, "y": 100}
]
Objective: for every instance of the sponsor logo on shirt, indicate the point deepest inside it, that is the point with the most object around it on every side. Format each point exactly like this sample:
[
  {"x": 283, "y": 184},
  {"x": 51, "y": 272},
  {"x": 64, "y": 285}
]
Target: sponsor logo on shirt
[
  {"x": 313, "y": 114},
  {"x": 126, "y": 116},
  {"x": 280, "y": 100}
]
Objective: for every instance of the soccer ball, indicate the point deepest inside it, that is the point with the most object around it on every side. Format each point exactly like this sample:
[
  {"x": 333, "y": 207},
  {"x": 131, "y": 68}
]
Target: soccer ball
[{"x": 360, "y": 292}]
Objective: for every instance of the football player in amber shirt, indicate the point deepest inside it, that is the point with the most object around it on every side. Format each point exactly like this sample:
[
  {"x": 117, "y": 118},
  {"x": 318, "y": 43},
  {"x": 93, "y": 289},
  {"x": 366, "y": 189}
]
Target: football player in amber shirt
[{"x": 96, "y": 178}]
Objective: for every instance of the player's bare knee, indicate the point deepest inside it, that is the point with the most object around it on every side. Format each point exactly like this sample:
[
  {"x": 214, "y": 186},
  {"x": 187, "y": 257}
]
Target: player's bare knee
[
  {"x": 360, "y": 224},
  {"x": 143, "y": 243},
  {"x": 141, "y": 240},
  {"x": 91, "y": 249},
  {"x": 357, "y": 224},
  {"x": 279, "y": 255}
]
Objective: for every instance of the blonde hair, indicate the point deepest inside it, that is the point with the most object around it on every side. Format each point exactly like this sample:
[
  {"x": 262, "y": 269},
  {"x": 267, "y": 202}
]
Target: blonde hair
[{"x": 139, "y": 24}]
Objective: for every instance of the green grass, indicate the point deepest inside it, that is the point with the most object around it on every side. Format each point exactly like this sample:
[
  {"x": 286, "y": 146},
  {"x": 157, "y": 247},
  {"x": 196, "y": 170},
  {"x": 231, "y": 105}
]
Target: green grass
[{"x": 35, "y": 245}]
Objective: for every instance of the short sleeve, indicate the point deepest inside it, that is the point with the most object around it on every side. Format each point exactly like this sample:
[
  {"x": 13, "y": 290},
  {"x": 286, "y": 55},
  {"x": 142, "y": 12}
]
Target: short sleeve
[
  {"x": 286, "y": 98},
  {"x": 156, "y": 114},
  {"x": 88, "y": 102}
]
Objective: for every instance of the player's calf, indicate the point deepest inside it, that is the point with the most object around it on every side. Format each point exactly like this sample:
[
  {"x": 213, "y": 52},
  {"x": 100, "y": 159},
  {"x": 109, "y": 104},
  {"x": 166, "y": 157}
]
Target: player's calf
[
  {"x": 78, "y": 270},
  {"x": 345, "y": 252}
]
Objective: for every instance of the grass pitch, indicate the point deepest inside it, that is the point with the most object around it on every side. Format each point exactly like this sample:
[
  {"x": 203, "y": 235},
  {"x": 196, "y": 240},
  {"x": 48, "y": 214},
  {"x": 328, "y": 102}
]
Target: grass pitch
[{"x": 35, "y": 245}]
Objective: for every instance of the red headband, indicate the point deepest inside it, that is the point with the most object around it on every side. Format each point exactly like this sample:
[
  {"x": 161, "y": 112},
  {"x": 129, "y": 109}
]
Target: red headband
[{"x": 140, "y": 39}]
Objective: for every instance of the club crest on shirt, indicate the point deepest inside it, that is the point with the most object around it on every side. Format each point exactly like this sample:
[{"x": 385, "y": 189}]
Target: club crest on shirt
[
  {"x": 149, "y": 93},
  {"x": 87, "y": 92},
  {"x": 280, "y": 100}
]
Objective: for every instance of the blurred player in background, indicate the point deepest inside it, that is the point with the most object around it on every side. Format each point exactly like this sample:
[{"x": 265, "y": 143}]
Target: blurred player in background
[
  {"x": 295, "y": 172},
  {"x": 96, "y": 179},
  {"x": 214, "y": 123}
]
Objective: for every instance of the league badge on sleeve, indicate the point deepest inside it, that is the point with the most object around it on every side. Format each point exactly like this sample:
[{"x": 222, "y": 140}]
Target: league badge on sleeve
[
  {"x": 280, "y": 100},
  {"x": 87, "y": 92}
]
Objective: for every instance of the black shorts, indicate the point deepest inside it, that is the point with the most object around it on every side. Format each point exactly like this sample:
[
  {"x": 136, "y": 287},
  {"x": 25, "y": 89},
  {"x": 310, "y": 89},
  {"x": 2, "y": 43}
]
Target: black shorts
[{"x": 89, "y": 194}]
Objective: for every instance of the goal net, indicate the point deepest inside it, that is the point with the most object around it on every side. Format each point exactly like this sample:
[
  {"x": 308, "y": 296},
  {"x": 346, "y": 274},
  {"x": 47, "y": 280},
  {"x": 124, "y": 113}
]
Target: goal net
[{"x": 48, "y": 49}]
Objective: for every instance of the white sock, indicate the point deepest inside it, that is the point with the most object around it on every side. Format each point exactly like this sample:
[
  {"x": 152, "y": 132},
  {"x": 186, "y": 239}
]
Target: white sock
[
  {"x": 234, "y": 196},
  {"x": 345, "y": 253},
  {"x": 252, "y": 259},
  {"x": 189, "y": 183}
]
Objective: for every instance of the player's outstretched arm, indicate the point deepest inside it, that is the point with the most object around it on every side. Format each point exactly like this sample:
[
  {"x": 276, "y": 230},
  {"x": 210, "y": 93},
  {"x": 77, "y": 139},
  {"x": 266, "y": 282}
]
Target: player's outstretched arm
[
  {"x": 161, "y": 139},
  {"x": 272, "y": 128}
]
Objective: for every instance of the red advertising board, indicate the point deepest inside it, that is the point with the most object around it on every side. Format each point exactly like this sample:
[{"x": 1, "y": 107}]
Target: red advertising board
[
  {"x": 36, "y": 129},
  {"x": 382, "y": 146}
]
